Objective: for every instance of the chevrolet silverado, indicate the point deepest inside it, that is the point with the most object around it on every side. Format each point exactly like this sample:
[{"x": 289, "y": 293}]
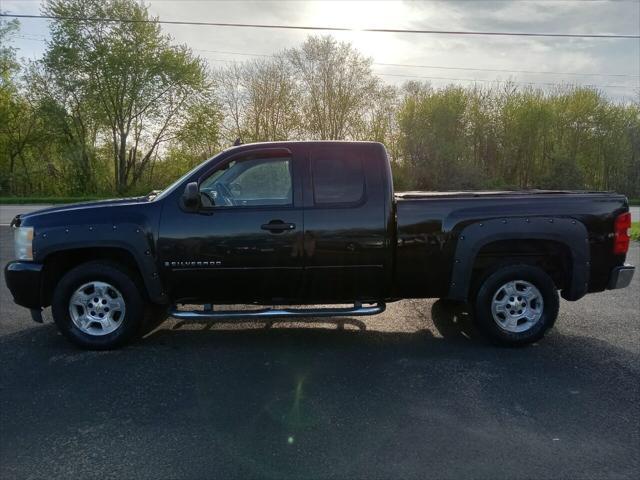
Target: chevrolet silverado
[{"x": 313, "y": 223}]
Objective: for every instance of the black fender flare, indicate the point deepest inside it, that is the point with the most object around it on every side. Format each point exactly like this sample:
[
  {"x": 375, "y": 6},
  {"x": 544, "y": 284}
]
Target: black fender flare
[
  {"x": 567, "y": 231},
  {"x": 130, "y": 237}
]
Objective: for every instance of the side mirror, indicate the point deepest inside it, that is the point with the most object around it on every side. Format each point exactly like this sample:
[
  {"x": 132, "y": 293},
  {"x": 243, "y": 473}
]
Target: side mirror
[{"x": 191, "y": 196}]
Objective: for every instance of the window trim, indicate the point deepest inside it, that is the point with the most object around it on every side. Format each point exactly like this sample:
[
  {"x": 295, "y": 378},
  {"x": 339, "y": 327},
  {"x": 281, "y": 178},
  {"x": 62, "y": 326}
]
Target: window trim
[
  {"x": 358, "y": 203},
  {"x": 248, "y": 155}
]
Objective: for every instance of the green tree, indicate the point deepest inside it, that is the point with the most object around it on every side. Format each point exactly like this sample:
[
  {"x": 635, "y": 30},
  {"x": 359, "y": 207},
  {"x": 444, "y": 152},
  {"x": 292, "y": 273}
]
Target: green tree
[
  {"x": 8, "y": 62},
  {"x": 8, "y": 90},
  {"x": 137, "y": 84},
  {"x": 336, "y": 84},
  {"x": 19, "y": 121},
  {"x": 70, "y": 130},
  {"x": 434, "y": 137},
  {"x": 199, "y": 135}
]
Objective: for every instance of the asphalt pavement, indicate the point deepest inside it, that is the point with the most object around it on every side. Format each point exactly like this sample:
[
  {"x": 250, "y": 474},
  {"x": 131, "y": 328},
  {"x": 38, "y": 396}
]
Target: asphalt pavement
[
  {"x": 7, "y": 212},
  {"x": 412, "y": 393}
]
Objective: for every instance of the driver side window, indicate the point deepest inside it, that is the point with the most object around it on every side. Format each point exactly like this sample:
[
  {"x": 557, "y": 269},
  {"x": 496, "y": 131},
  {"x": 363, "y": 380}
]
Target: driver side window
[{"x": 249, "y": 182}]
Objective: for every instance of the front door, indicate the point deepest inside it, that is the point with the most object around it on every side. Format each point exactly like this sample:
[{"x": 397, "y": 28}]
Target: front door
[{"x": 244, "y": 244}]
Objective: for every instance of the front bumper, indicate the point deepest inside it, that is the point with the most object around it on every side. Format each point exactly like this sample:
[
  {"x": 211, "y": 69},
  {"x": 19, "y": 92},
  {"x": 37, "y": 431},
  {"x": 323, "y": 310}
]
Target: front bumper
[
  {"x": 24, "y": 281},
  {"x": 620, "y": 277}
]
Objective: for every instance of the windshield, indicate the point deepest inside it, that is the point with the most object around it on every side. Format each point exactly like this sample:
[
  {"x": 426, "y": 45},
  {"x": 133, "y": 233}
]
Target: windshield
[{"x": 173, "y": 186}]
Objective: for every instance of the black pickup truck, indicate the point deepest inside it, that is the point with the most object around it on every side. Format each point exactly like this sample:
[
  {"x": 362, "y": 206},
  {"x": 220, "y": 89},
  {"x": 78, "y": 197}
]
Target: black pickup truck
[{"x": 313, "y": 223}]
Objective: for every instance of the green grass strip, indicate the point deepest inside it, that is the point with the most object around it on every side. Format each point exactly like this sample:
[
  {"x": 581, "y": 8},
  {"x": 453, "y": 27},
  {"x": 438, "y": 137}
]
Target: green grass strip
[{"x": 51, "y": 200}]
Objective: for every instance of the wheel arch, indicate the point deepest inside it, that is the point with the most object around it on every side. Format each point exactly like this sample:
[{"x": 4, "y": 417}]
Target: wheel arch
[
  {"x": 59, "y": 261},
  {"x": 569, "y": 236}
]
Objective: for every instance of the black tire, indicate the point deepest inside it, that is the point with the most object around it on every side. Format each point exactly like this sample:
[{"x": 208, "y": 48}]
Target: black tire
[
  {"x": 490, "y": 285},
  {"x": 134, "y": 321}
]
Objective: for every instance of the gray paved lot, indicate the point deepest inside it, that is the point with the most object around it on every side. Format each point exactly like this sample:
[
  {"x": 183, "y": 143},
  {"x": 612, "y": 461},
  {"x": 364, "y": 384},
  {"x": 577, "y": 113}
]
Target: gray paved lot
[
  {"x": 415, "y": 395},
  {"x": 7, "y": 212}
]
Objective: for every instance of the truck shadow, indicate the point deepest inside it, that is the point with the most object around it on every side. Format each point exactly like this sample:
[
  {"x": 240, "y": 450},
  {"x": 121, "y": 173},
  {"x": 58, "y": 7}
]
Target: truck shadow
[
  {"x": 339, "y": 323},
  {"x": 452, "y": 320}
]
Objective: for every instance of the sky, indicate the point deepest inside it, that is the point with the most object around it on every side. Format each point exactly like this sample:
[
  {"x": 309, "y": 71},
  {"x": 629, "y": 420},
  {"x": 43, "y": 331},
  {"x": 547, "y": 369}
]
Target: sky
[{"x": 613, "y": 65}]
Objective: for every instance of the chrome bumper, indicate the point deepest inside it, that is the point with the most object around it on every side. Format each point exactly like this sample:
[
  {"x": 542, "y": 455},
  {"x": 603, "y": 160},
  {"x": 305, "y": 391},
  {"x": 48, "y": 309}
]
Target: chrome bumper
[{"x": 620, "y": 277}]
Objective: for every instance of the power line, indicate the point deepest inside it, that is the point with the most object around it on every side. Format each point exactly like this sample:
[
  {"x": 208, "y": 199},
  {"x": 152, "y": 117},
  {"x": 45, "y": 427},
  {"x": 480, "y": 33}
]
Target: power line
[
  {"x": 423, "y": 66},
  {"x": 465, "y": 79},
  {"x": 427, "y": 66},
  {"x": 34, "y": 38},
  {"x": 332, "y": 29},
  {"x": 235, "y": 53},
  {"x": 409, "y": 65},
  {"x": 512, "y": 71},
  {"x": 500, "y": 81},
  {"x": 439, "y": 67}
]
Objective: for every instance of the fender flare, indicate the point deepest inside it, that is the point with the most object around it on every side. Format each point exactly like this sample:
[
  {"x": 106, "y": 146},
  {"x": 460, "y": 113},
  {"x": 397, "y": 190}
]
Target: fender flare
[
  {"x": 567, "y": 231},
  {"x": 130, "y": 237}
]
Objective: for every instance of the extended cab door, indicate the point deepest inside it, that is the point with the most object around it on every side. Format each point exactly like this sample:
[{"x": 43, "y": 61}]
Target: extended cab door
[
  {"x": 244, "y": 243},
  {"x": 346, "y": 242}
]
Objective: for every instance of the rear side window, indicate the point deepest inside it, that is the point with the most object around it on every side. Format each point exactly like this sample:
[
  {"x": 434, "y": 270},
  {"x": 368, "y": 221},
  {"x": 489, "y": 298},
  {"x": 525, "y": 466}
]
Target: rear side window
[{"x": 337, "y": 180}]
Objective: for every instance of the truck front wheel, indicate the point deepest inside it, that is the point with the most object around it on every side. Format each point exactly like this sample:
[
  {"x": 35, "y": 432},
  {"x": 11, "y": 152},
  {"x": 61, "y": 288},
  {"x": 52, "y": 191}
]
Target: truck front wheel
[
  {"x": 516, "y": 304},
  {"x": 98, "y": 305}
]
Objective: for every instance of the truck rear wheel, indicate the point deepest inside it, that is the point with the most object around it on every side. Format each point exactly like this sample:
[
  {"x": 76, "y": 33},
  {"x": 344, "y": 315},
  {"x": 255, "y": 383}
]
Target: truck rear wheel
[
  {"x": 516, "y": 304},
  {"x": 98, "y": 306}
]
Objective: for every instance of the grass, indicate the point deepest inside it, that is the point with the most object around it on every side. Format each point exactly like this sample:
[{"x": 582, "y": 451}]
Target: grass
[
  {"x": 635, "y": 231},
  {"x": 634, "y": 202},
  {"x": 52, "y": 200}
]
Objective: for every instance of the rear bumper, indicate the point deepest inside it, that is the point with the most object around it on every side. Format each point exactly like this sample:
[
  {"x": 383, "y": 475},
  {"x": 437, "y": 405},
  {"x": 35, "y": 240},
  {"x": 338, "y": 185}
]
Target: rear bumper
[
  {"x": 620, "y": 277},
  {"x": 24, "y": 280}
]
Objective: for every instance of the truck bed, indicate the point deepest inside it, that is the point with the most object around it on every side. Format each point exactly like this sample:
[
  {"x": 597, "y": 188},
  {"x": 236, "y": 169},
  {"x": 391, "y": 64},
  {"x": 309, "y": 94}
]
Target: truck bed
[{"x": 428, "y": 225}]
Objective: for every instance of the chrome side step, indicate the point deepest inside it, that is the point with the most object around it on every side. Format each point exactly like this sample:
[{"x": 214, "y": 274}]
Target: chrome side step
[{"x": 272, "y": 313}]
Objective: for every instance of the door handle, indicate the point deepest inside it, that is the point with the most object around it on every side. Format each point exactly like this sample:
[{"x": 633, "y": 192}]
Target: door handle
[{"x": 277, "y": 226}]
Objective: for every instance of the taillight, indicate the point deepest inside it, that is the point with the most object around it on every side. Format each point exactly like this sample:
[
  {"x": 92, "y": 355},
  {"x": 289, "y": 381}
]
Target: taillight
[{"x": 621, "y": 233}]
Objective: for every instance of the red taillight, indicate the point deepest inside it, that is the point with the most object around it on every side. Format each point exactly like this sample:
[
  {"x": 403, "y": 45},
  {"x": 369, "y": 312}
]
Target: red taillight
[{"x": 621, "y": 233}]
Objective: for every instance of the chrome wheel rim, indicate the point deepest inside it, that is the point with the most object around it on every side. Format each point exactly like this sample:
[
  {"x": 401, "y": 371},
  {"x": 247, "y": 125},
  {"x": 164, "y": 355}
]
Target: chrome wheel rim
[
  {"x": 97, "y": 308},
  {"x": 517, "y": 306}
]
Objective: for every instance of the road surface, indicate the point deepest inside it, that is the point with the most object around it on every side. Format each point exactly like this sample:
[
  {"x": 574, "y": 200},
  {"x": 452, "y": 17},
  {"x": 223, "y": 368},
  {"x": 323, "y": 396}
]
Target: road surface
[{"x": 7, "y": 212}]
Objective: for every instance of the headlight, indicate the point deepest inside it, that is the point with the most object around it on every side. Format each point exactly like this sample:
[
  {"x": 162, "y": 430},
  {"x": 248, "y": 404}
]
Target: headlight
[{"x": 23, "y": 243}]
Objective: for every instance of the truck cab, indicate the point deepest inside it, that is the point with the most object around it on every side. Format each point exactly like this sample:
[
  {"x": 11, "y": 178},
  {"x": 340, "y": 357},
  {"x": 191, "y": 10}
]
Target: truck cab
[{"x": 301, "y": 223}]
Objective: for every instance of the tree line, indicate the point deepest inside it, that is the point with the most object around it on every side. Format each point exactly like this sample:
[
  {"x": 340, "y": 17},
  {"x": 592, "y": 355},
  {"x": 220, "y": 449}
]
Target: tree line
[{"x": 120, "y": 108}]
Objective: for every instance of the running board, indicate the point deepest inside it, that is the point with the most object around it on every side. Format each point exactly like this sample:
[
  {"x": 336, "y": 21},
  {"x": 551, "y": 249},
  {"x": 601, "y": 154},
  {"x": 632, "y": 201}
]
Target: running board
[{"x": 271, "y": 313}]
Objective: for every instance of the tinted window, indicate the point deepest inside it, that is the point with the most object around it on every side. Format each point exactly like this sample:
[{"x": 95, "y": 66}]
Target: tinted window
[
  {"x": 337, "y": 180},
  {"x": 258, "y": 181}
]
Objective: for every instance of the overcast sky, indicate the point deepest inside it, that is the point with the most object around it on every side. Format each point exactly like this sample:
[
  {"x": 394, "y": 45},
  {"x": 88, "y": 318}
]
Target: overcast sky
[{"x": 583, "y": 56}]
